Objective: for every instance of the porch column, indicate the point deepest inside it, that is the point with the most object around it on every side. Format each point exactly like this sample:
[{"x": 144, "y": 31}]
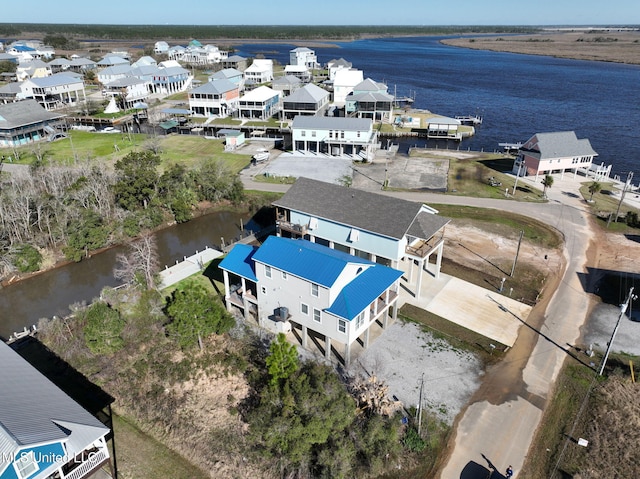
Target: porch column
[
  {"x": 419, "y": 281},
  {"x": 304, "y": 337},
  {"x": 347, "y": 354},
  {"x": 439, "y": 259},
  {"x": 327, "y": 347},
  {"x": 373, "y": 258},
  {"x": 366, "y": 338},
  {"x": 227, "y": 294}
]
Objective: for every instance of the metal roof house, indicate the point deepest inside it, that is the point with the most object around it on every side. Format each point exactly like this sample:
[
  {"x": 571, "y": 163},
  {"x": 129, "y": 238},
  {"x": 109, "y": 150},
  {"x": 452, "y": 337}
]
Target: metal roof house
[
  {"x": 308, "y": 100},
  {"x": 380, "y": 228},
  {"x": 44, "y": 434},
  {"x": 25, "y": 122},
  {"x": 327, "y": 294},
  {"x": 557, "y": 152}
]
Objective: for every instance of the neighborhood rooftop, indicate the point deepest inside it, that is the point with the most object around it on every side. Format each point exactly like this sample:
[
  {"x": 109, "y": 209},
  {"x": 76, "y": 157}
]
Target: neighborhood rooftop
[{"x": 388, "y": 216}]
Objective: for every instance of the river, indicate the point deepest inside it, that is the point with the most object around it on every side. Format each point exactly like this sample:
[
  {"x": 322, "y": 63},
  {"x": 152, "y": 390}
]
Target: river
[
  {"x": 517, "y": 95},
  {"x": 50, "y": 293}
]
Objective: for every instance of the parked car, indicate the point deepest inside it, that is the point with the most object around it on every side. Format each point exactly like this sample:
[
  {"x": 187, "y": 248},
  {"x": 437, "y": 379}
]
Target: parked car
[{"x": 110, "y": 129}]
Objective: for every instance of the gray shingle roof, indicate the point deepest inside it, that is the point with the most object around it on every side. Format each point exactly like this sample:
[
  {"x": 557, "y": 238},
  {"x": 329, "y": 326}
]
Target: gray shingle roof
[
  {"x": 308, "y": 94},
  {"x": 22, "y": 113},
  {"x": 31, "y": 406},
  {"x": 562, "y": 144},
  {"x": 384, "y": 215}
]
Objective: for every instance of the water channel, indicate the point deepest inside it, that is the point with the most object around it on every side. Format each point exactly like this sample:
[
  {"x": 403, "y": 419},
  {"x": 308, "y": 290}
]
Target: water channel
[{"x": 50, "y": 293}]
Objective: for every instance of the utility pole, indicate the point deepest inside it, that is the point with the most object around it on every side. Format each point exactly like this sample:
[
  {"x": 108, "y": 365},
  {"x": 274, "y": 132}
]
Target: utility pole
[
  {"x": 623, "y": 309},
  {"x": 515, "y": 186},
  {"x": 624, "y": 192},
  {"x": 420, "y": 406},
  {"x": 515, "y": 260}
]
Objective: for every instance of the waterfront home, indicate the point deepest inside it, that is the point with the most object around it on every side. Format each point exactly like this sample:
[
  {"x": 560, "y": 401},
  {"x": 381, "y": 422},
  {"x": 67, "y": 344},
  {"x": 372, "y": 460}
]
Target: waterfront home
[
  {"x": 299, "y": 71},
  {"x": 128, "y": 91},
  {"x": 335, "y": 65},
  {"x": 303, "y": 56},
  {"x": 344, "y": 81},
  {"x": 44, "y": 434},
  {"x": 326, "y": 294},
  {"x": 557, "y": 152},
  {"x": 56, "y": 91},
  {"x": 336, "y": 136},
  {"x": 369, "y": 99},
  {"x": 260, "y": 71},
  {"x": 380, "y": 228},
  {"x": 235, "y": 61},
  {"x": 261, "y": 103},
  {"x": 308, "y": 100},
  {"x": 215, "y": 98}
]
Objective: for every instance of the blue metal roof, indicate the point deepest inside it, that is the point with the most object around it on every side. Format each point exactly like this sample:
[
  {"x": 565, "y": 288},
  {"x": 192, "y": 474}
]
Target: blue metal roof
[
  {"x": 240, "y": 261},
  {"x": 313, "y": 262},
  {"x": 363, "y": 290}
]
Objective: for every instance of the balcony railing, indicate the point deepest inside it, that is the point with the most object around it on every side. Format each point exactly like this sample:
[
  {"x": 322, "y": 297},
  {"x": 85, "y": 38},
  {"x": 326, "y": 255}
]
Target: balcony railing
[
  {"x": 296, "y": 229},
  {"x": 422, "y": 248},
  {"x": 93, "y": 461}
]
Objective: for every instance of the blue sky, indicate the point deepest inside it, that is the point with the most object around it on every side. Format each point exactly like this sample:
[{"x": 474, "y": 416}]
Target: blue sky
[{"x": 328, "y": 12}]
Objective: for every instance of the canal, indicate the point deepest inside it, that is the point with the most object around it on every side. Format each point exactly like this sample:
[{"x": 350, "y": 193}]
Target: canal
[{"x": 52, "y": 292}]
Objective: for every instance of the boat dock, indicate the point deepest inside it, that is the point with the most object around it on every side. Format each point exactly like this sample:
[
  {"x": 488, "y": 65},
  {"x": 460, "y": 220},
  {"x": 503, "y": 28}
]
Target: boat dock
[
  {"x": 470, "y": 119},
  {"x": 510, "y": 147}
]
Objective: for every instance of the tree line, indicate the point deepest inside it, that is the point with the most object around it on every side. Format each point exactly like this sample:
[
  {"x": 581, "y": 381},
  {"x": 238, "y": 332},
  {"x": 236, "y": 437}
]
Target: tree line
[{"x": 85, "y": 207}]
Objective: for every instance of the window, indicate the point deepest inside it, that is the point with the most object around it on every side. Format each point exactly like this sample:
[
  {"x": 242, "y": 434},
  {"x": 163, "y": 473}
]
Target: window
[
  {"x": 267, "y": 271},
  {"x": 314, "y": 290},
  {"x": 360, "y": 320},
  {"x": 358, "y": 134},
  {"x": 304, "y": 309},
  {"x": 25, "y": 465},
  {"x": 264, "y": 290},
  {"x": 284, "y": 275},
  {"x": 316, "y": 315},
  {"x": 342, "y": 326},
  {"x": 342, "y": 135},
  {"x": 313, "y": 134},
  {"x": 303, "y": 133}
]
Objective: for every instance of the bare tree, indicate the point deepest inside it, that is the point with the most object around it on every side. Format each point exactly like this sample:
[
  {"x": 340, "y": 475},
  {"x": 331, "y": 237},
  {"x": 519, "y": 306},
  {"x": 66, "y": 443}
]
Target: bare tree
[{"x": 140, "y": 265}]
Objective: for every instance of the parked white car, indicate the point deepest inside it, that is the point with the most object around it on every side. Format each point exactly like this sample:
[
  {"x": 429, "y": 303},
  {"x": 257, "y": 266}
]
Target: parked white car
[{"x": 110, "y": 129}]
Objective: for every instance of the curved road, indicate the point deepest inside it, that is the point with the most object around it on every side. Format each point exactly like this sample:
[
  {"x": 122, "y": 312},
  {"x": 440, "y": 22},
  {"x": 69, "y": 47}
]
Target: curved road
[{"x": 497, "y": 427}]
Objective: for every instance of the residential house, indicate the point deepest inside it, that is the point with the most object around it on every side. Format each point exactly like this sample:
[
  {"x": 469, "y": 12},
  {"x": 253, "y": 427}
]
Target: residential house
[
  {"x": 261, "y": 103},
  {"x": 56, "y": 91},
  {"x": 160, "y": 47},
  {"x": 298, "y": 71},
  {"x": 334, "y": 136},
  {"x": 557, "y": 152},
  {"x": 215, "y": 98},
  {"x": 260, "y": 71},
  {"x": 370, "y": 99},
  {"x": 308, "y": 100},
  {"x": 82, "y": 65},
  {"x": 171, "y": 78},
  {"x": 112, "y": 60},
  {"x": 25, "y": 122},
  {"x": 326, "y": 294},
  {"x": 380, "y": 228},
  {"x": 127, "y": 91},
  {"x": 231, "y": 74},
  {"x": 144, "y": 62},
  {"x": 58, "y": 65},
  {"x": 303, "y": 56},
  {"x": 335, "y": 65},
  {"x": 286, "y": 85},
  {"x": 32, "y": 49},
  {"x": 113, "y": 73},
  {"x": 175, "y": 52},
  {"x": 33, "y": 69},
  {"x": 344, "y": 83},
  {"x": 44, "y": 434},
  {"x": 235, "y": 61},
  {"x": 11, "y": 92}
]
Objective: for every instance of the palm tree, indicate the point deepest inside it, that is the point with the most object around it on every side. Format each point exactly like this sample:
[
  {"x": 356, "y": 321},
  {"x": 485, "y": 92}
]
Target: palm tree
[
  {"x": 547, "y": 182},
  {"x": 594, "y": 188}
]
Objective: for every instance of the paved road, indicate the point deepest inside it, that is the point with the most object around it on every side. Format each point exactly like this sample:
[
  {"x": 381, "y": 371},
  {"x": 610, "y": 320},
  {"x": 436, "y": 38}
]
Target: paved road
[{"x": 498, "y": 426}]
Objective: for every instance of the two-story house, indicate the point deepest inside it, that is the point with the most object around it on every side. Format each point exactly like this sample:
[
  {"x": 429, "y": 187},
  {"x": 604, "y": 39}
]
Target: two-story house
[
  {"x": 286, "y": 85},
  {"x": 380, "y": 228},
  {"x": 558, "y": 152},
  {"x": 25, "y": 122},
  {"x": 344, "y": 81},
  {"x": 369, "y": 99},
  {"x": 215, "y": 98},
  {"x": 259, "y": 72},
  {"x": 235, "y": 61},
  {"x": 334, "y": 136},
  {"x": 44, "y": 434},
  {"x": 308, "y": 100},
  {"x": 230, "y": 74},
  {"x": 56, "y": 91},
  {"x": 261, "y": 103},
  {"x": 337, "y": 64},
  {"x": 127, "y": 91},
  {"x": 327, "y": 294}
]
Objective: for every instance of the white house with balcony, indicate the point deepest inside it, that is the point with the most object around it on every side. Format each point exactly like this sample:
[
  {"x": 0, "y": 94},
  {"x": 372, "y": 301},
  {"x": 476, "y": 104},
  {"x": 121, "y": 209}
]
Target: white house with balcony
[
  {"x": 56, "y": 91},
  {"x": 303, "y": 56},
  {"x": 44, "y": 434},
  {"x": 344, "y": 82},
  {"x": 557, "y": 152},
  {"x": 259, "y": 72},
  {"x": 127, "y": 91},
  {"x": 326, "y": 294},
  {"x": 335, "y": 136},
  {"x": 380, "y": 228},
  {"x": 261, "y": 103}
]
